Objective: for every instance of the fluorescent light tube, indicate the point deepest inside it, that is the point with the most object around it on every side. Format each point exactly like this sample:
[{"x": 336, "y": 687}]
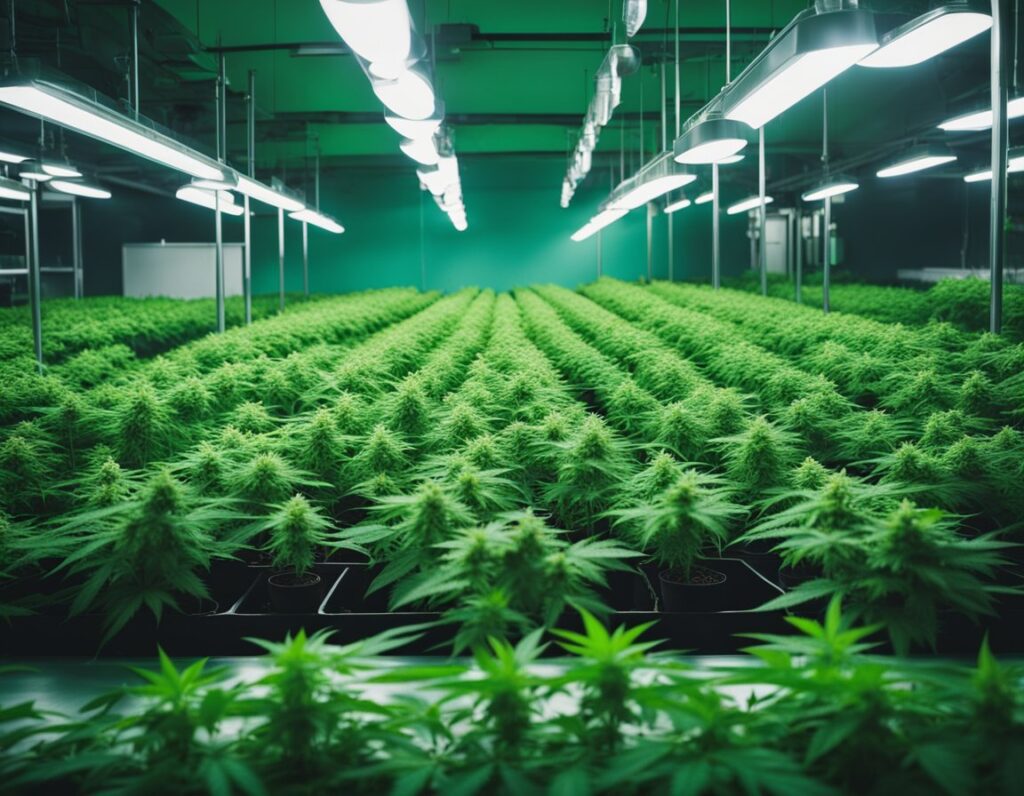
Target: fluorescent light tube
[
  {"x": 422, "y": 151},
  {"x": 652, "y": 189},
  {"x": 814, "y": 49},
  {"x": 59, "y": 169},
  {"x": 268, "y": 196},
  {"x": 834, "y": 187},
  {"x": 1014, "y": 164},
  {"x": 79, "y": 189},
  {"x": 415, "y": 129},
  {"x": 12, "y": 189},
  {"x": 748, "y": 204},
  {"x": 229, "y": 183},
  {"x": 704, "y": 198},
  {"x": 928, "y": 35},
  {"x": 311, "y": 216},
  {"x": 711, "y": 140},
  {"x": 11, "y": 157},
  {"x": 67, "y": 109},
  {"x": 682, "y": 204},
  {"x": 410, "y": 95},
  {"x": 917, "y": 159},
  {"x": 982, "y": 120},
  {"x": 598, "y": 222},
  {"x": 375, "y": 30},
  {"x": 207, "y": 199}
]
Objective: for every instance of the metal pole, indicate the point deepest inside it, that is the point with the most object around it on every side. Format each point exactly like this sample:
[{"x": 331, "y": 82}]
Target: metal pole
[
  {"x": 280, "y": 259},
  {"x": 221, "y": 104},
  {"x": 650, "y": 248},
  {"x": 250, "y": 151},
  {"x": 305, "y": 259},
  {"x": 135, "y": 58},
  {"x": 678, "y": 95},
  {"x": 76, "y": 242},
  {"x": 716, "y": 276},
  {"x": 34, "y": 289},
  {"x": 762, "y": 215},
  {"x": 599, "y": 254},
  {"x": 220, "y": 262},
  {"x": 728, "y": 42},
  {"x": 799, "y": 256},
  {"x": 827, "y": 272},
  {"x": 1000, "y": 135}
]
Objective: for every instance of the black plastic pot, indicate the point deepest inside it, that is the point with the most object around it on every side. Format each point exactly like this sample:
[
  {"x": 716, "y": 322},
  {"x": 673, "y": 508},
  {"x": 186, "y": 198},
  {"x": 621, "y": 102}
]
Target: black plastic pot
[
  {"x": 295, "y": 594},
  {"x": 702, "y": 591}
]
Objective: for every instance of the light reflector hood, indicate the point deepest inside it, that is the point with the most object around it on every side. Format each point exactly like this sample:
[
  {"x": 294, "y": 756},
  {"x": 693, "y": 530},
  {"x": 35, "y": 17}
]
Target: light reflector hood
[
  {"x": 917, "y": 159},
  {"x": 833, "y": 186},
  {"x": 657, "y": 178},
  {"x": 928, "y": 35},
  {"x": 711, "y": 140},
  {"x": 317, "y": 219}
]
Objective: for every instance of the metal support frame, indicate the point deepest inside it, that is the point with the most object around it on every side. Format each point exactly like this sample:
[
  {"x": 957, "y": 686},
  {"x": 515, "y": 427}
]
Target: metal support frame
[
  {"x": 250, "y": 151},
  {"x": 826, "y": 236},
  {"x": 76, "y": 248},
  {"x": 762, "y": 215},
  {"x": 1000, "y": 136},
  {"x": 716, "y": 252},
  {"x": 599, "y": 254},
  {"x": 679, "y": 124},
  {"x": 650, "y": 243},
  {"x": 280, "y": 259},
  {"x": 799, "y": 245},
  {"x": 34, "y": 288},
  {"x": 221, "y": 318},
  {"x": 221, "y": 104},
  {"x": 135, "y": 59},
  {"x": 305, "y": 259}
]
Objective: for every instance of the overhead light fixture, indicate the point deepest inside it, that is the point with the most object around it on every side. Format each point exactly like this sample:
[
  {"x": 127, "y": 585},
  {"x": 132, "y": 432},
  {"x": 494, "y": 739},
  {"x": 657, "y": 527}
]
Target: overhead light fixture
[
  {"x": 815, "y": 48},
  {"x": 67, "y": 109},
  {"x": 711, "y": 140},
  {"x": 79, "y": 189},
  {"x": 317, "y": 219},
  {"x": 682, "y": 204},
  {"x": 55, "y": 169},
  {"x": 208, "y": 199},
  {"x": 410, "y": 95},
  {"x": 414, "y": 129},
  {"x": 748, "y": 204},
  {"x": 379, "y": 31},
  {"x": 928, "y": 35},
  {"x": 6, "y": 156},
  {"x": 730, "y": 160},
  {"x": 268, "y": 196},
  {"x": 33, "y": 170},
  {"x": 1014, "y": 164},
  {"x": 655, "y": 179},
  {"x": 982, "y": 120},
  {"x": 918, "y": 159},
  {"x": 833, "y": 186},
  {"x": 598, "y": 222},
  {"x": 227, "y": 183},
  {"x": 704, "y": 198},
  {"x": 421, "y": 150},
  {"x": 634, "y": 12},
  {"x": 12, "y": 189}
]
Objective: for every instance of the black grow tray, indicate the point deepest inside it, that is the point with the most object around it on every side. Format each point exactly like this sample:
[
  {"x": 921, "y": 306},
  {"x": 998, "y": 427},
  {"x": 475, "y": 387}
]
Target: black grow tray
[{"x": 243, "y": 612}]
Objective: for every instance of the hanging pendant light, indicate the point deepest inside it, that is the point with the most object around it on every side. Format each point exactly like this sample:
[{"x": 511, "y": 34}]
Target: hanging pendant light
[
  {"x": 833, "y": 186},
  {"x": 920, "y": 158},
  {"x": 929, "y": 35}
]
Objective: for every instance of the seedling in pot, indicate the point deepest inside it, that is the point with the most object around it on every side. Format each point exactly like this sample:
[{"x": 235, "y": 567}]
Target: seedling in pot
[{"x": 295, "y": 531}]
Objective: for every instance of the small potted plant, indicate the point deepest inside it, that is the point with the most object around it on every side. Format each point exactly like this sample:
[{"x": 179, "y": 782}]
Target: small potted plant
[{"x": 294, "y": 532}]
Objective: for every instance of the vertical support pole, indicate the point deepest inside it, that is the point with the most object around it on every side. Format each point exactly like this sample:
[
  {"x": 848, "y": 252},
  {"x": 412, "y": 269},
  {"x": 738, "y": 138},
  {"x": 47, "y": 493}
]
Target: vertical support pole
[
  {"x": 305, "y": 260},
  {"x": 650, "y": 246},
  {"x": 762, "y": 215},
  {"x": 716, "y": 252},
  {"x": 1000, "y": 135},
  {"x": 34, "y": 288},
  {"x": 799, "y": 244},
  {"x": 826, "y": 234},
  {"x": 671, "y": 247},
  {"x": 135, "y": 58},
  {"x": 219, "y": 227},
  {"x": 599, "y": 264},
  {"x": 679, "y": 127},
  {"x": 250, "y": 147},
  {"x": 280, "y": 259},
  {"x": 76, "y": 244}
]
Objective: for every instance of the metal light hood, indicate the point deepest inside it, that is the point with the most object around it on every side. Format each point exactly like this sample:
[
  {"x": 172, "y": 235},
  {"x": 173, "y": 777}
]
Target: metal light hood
[{"x": 657, "y": 178}]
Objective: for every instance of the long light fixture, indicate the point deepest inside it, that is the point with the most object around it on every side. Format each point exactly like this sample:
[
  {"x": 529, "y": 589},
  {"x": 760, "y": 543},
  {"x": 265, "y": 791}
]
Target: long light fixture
[
  {"x": 833, "y": 186},
  {"x": 414, "y": 129},
  {"x": 929, "y": 35},
  {"x": 379, "y": 31},
  {"x": 1015, "y": 164},
  {"x": 33, "y": 170},
  {"x": 730, "y": 160},
  {"x": 748, "y": 204},
  {"x": 634, "y": 12},
  {"x": 982, "y": 120},
  {"x": 268, "y": 196},
  {"x": 655, "y": 179},
  {"x": 918, "y": 159},
  {"x": 422, "y": 150},
  {"x": 812, "y": 50},
  {"x": 598, "y": 222},
  {"x": 409, "y": 95},
  {"x": 79, "y": 189},
  {"x": 55, "y": 169},
  {"x": 7, "y": 156},
  {"x": 12, "y": 189},
  {"x": 676, "y": 206},
  {"x": 712, "y": 139},
  {"x": 317, "y": 219},
  {"x": 67, "y": 109},
  {"x": 704, "y": 198},
  {"x": 208, "y": 199}
]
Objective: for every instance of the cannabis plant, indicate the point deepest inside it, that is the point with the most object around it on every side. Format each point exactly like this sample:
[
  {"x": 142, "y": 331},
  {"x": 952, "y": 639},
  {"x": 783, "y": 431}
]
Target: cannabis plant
[{"x": 295, "y": 530}]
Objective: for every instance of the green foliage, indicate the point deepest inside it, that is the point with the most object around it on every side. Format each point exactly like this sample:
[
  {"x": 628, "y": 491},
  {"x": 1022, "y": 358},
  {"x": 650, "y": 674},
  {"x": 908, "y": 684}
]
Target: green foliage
[{"x": 295, "y": 530}]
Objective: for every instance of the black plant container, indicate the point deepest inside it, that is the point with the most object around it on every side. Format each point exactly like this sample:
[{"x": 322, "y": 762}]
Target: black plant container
[
  {"x": 295, "y": 594},
  {"x": 704, "y": 590}
]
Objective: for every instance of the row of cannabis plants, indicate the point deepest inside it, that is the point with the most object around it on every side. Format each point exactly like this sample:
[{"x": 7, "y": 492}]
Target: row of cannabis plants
[{"x": 812, "y": 712}]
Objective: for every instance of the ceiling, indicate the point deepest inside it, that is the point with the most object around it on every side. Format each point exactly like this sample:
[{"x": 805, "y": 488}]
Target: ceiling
[{"x": 518, "y": 81}]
